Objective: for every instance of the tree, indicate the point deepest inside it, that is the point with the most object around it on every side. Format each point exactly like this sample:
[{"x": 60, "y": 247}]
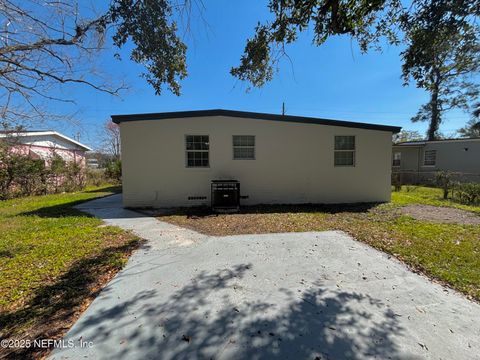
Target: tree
[
  {"x": 471, "y": 129},
  {"x": 406, "y": 135},
  {"x": 442, "y": 57},
  {"x": 46, "y": 45},
  {"x": 364, "y": 21},
  {"x": 441, "y": 38},
  {"x": 111, "y": 139}
]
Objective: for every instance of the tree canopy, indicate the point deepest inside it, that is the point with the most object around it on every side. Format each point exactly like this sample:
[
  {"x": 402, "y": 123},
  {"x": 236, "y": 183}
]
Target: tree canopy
[
  {"x": 44, "y": 45},
  {"x": 471, "y": 129},
  {"x": 364, "y": 21},
  {"x": 441, "y": 37},
  {"x": 442, "y": 55}
]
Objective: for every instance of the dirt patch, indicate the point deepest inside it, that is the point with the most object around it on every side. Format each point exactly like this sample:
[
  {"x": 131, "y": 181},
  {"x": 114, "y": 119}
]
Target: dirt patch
[{"x": 441, "y": 214}]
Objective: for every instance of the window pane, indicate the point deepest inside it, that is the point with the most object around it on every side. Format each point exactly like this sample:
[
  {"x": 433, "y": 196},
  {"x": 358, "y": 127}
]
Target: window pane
[
  {"x": 430, "y": 157},
  {"x": 197, "y": 147},
  {"x": 243, "y": 140},
  {"x": 344, "y": 158},
  {"x": 344, "y": 142},
  {"x": 205, "y": 143},
  {"x": 397, "y": 157},
  {"x": 244, "y": 153},
  {"x": 244, "y": 147},
  {"x": 190, "y": 160}
]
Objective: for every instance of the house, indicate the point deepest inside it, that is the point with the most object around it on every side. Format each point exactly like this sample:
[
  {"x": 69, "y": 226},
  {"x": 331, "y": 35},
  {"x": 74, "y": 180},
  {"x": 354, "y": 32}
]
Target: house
[
  {"x": 170, "y": 159},
  {"x": 44, "y": 144},
  {"x": 418, "y": 161}
]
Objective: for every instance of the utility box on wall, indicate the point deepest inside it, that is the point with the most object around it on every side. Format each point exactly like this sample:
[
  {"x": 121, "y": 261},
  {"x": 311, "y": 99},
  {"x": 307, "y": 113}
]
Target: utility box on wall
[{"x": 225, "y": 195}]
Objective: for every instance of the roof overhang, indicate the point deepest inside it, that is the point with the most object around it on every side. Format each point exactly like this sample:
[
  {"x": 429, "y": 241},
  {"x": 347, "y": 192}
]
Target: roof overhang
[
  {"x": 425, "y": 142},
  {"x": 44, "y": 133},
  {"x": 117, "y": 119}
]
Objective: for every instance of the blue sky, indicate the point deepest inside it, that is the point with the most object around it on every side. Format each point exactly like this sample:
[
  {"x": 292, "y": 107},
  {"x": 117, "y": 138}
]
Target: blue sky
[{"x": 332, "y": 81}]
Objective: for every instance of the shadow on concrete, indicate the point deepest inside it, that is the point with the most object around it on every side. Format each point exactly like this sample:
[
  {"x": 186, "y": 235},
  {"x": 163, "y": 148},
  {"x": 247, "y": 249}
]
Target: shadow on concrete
[
  {"x": 116, "y": 189},
  {"x": 207, "y": 319}
]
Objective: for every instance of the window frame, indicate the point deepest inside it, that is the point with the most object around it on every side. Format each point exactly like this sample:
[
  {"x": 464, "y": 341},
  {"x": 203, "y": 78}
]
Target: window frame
[
  {"x": 354, "y": 151},
  {"x": 399, "y": 160},
  {"x": 193, "y": 151},
  {"x": 425, "y": 158},
  {"x": 245, "y": 147}
]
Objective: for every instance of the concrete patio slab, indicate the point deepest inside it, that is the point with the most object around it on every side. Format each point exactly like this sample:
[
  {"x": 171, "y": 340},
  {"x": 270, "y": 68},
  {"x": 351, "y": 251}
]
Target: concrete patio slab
[{"x": 287, "y": 296}]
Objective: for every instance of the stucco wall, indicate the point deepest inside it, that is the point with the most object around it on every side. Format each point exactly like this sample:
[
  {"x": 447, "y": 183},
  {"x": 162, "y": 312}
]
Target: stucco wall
[{"x": 294, "y": 162}]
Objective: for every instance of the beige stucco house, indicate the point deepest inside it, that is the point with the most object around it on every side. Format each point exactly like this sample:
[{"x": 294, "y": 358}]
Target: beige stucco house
[
  {"x": 418, "y": 161},
  {"x": 171, "y": 159}
]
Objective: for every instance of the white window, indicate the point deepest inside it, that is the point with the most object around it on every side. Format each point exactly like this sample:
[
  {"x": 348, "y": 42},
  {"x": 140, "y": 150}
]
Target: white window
[
  {"x": 344, "y": 151},
  {"x": 243, "y": 147},
  {"x": 430, "y": 158},
  {"x": 397, "y": 158},
  {"x": 197, "y": 150}
]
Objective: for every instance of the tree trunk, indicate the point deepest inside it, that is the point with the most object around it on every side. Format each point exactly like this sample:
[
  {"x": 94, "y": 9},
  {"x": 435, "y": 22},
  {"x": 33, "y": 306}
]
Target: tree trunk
[{"x": 435, "y": 113}]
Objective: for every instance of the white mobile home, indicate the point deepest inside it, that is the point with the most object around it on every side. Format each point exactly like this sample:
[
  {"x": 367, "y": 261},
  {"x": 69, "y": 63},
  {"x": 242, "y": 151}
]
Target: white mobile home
[{"x": 171, "y": 159}]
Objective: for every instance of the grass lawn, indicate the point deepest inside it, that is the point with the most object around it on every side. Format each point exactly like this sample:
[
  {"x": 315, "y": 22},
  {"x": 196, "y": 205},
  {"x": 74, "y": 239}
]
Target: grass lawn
[
  {"x": 447, "y": 252},
  {"x": 53, "y": 261}
]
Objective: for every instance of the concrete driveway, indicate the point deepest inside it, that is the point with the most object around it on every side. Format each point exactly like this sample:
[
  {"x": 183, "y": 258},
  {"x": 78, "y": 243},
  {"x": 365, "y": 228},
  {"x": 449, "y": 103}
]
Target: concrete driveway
[{"x": 288, "y": 296}]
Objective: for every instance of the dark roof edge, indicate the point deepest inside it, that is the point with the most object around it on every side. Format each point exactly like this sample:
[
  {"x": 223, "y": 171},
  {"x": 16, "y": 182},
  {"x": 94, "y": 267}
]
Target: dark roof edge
[
  {"x": 423, "y": 142},
  {"x": 252, "y": 115}
]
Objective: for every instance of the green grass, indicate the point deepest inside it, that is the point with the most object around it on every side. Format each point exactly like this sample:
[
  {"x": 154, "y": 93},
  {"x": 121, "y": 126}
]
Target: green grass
[
  {"x": 427, "y": 196},
  {"x": 53, "y": 258},
  {"x": 447, "y": 252}
]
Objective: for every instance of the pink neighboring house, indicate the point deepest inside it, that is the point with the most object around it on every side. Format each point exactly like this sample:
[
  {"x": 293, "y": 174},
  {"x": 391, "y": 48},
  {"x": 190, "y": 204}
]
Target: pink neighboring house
[{"x": 45, "y": 144}]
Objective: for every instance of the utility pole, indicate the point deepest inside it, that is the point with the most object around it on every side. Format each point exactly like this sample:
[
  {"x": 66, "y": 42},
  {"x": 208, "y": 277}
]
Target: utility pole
[{"x": 283, "y": 108}]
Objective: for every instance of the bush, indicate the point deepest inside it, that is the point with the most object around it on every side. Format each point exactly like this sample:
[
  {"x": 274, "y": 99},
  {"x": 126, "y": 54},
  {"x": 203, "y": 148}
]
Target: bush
[
  {"x": 468, "y": 193},
  {"x": 396, "y": 181},
  {"x": 113, "y": 171},
  {"x": 22, "y": 175},
  {"x": 74, "y": 178},
  {"x": 96, "y": 177},
  {"x": 444, "y": 180}
]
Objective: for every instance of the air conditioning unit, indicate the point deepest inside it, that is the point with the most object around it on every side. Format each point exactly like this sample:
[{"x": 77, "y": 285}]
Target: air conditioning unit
[{"x": 225, "y": 195}]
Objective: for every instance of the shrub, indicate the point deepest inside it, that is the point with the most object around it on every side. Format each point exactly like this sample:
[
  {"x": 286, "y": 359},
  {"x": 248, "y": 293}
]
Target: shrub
[
  {"x": 396, "y": 181},
  {"x": 96, "y": 177},
  {"x": 468, "y": 193},
  {"x": 22, "y": 175},
  {"x": 113, "y": 170},
  {"x": 74, "y": 177},
  {"x": 444, "y": 180}
]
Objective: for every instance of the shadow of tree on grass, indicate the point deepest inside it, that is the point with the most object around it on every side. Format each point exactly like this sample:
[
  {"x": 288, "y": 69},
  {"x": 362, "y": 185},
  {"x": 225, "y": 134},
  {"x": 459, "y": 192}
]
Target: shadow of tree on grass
[{"x": 55, "y": 306}]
